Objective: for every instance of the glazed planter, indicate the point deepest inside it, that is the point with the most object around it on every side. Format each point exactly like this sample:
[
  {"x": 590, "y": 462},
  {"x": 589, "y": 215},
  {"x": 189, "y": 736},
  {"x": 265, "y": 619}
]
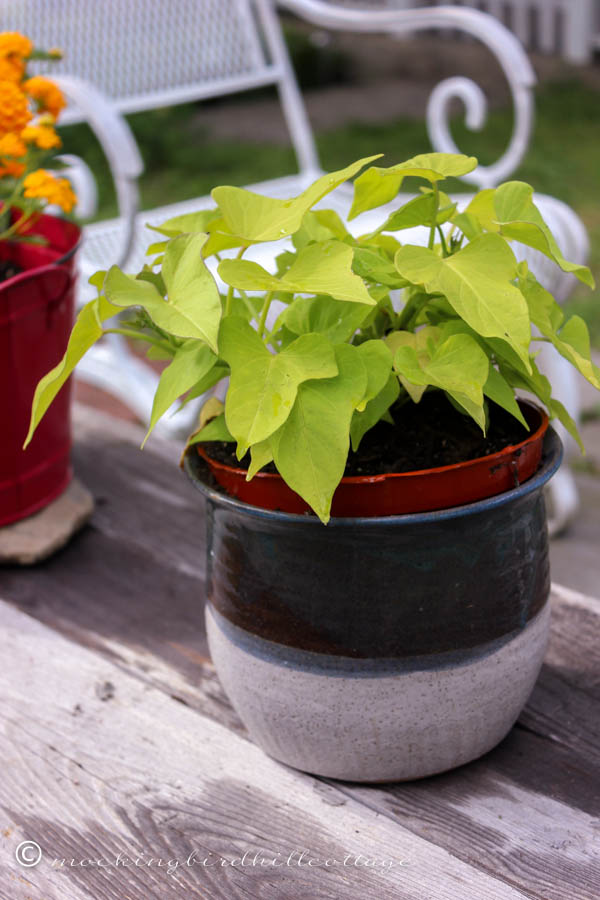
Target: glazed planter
[
  {"x": 36, "y": 316},
  {"x": 379, "y": 648}
]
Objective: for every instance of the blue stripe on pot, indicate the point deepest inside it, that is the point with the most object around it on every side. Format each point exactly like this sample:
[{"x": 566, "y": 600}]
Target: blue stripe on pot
[{"x": 342, "y": 666}]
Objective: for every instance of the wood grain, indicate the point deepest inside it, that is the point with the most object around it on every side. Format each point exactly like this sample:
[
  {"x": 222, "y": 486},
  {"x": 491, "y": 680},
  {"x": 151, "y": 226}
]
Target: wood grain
[
  {"x": 97, "y": 764},
  {"x": 130, "y": 588}
]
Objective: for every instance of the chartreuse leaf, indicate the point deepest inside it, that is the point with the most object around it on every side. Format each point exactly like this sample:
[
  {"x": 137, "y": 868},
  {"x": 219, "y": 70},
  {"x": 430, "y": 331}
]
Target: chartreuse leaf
[
  {"x": 311, "y": 448},
  {"x": 220, "y": 238},
  {"x": 496, "y": 387},
  {"x": 373, "y": 264},
  {"x": 86, "y": 331},
  {"x": 214, "y": 430},
  {"x": 520, "y": 219},
  {"x": 212, "y": 425},
  {"x": 377, "y": 185},
  {"x": 573, "y": 343},
  {"x": 187, "y": 223},
  {"x": 539, "y": 385},
  {"x": 193, "y": 305},
  {"x": 190, "y": 286},
  {"x": 260, "y": 456},
  {"x": 97, "y": 280},
  {"x": 258, "y": 218},
  {"x": 319, "y": 225},
  {"x": 418, "y": 211},
  {"x": 572, "y": 340},
  {"x": 318, "y": 269},
  {"x": 479, "y": 216},
  {"x": 246, "y": 275},
  {"x": 447, "y": 208},
  {"x": 458, "y": 366},
  {"x": 377, "y": 358},
  {"x": 374, "y": 410},
  {"x": 212, "y": 377},
  {"x": 191, "y": 363},
  {"x": 263, "y": 385},
  {"x": 337, "y": 321},
  {"x": 423, "y": 342},
  {"x": 327, "y": 269},
  {"x": 477, "y": 283}
]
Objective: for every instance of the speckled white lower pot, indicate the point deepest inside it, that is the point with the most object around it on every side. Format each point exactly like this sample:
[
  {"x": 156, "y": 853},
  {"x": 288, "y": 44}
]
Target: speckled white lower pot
[
  {"x": 359, "y": 721},
  {"x": 377, "y": 649}
]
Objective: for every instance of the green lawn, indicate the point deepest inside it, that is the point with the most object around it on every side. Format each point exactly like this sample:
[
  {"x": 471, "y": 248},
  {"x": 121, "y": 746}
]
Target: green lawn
[{"x": 182, "y": 162}]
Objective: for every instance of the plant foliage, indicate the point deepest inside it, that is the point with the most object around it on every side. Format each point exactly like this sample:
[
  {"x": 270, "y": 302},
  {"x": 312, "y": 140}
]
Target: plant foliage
[{"x": 365, "y": 322}]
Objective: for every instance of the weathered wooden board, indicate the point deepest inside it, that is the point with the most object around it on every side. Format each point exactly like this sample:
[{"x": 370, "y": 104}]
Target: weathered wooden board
[
  {"x": 131, "y": 588},
  {"x": 530, "y": 810},
  {"x": 97, "y": 764},
  {"x": 135, "y": 574}
]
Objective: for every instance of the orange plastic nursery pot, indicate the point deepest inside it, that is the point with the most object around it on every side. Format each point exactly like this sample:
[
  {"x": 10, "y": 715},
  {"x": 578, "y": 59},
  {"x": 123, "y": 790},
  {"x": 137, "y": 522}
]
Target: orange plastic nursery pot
[
  {"x": 405, "y": 492},
  {"x": 36, "y": 316}
]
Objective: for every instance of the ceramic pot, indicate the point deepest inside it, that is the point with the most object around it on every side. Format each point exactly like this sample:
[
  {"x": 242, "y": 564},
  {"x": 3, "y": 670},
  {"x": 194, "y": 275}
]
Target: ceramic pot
[
  {"x": 385, "y": 648},
  {"x": 400, "y": 492},
  {"x": 36, "y": 317}
]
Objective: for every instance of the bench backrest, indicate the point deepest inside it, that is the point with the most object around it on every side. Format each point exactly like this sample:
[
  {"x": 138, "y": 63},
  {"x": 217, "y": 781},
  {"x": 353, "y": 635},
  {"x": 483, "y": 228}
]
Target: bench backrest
[{"x": 146, "y": 54}]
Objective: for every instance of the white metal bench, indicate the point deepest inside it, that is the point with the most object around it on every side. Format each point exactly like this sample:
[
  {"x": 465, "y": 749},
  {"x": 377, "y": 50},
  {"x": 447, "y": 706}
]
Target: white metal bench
[{"x": 130, "y": 55}]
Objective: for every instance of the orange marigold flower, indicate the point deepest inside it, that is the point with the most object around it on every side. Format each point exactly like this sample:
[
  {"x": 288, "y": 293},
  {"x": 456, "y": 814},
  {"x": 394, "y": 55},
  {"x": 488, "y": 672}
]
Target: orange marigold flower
[
  {"x": 11, "y": 69},
  {"x": 45, "y": 186},
  {"x": 12, "y": 145},
  {"x": 46, "y": 93},
  {"x": 43, "y": 136},
  {"x": 11, "y": 167},
  {"x": 14, "y": 109},
  {"x": 14, "y": 44}
]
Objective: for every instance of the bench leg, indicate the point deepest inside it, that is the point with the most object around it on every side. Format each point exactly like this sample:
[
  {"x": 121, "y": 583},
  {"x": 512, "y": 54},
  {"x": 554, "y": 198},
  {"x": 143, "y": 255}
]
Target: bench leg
[{"x": 561, "y": 492}]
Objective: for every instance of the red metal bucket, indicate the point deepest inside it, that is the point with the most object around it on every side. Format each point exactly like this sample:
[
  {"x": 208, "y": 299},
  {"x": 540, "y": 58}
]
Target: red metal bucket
[{"x": 36, "y": 317}]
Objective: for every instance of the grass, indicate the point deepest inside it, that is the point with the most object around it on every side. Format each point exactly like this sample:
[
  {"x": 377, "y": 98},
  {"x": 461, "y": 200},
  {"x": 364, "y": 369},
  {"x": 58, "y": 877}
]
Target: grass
[{"x": 182, "y": 161}]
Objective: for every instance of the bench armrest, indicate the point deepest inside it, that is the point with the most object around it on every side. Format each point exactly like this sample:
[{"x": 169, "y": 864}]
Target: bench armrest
[
  {"x": 502, "y": 43},
  {"x": 118, "y": 144}
]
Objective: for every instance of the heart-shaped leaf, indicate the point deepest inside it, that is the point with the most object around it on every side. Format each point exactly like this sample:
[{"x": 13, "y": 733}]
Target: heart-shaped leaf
[
  {"x": 193, "y": 305},
  {"x": 259, "y": 218},
  {"x": 521, "y": 220},
  {"x": 337, "y": 321},
  {"x": 318, "y": 269},
  {"x": 572, "y": 340},
  {"x": 263, "y": 386},
  {"x": 311, "y": 448},
  {"x": 477, "y": 283},
  {"x": 380, "y": 185}
]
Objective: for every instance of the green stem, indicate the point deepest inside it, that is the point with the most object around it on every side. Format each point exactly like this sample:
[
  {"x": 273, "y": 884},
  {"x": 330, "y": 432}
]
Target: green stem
[
  {"x": 139, "y": 336},
  {"x": 436, "y": 192},
  {"x": 263, "y": 313},
  {"x": 443, "y": 240},
  {"x": 15, "y": 226}
]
